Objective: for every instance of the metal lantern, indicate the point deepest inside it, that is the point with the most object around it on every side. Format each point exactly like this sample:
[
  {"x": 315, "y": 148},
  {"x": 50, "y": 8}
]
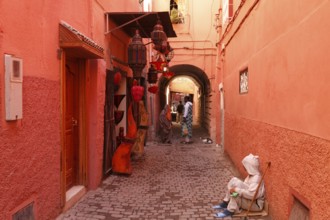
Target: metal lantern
[
  {"x": 167, "y": 73},
  {"x": 158, "y": 35},
  {"x": 152, "y": 75},
  {"x": 137, "y": 55},
  {"x": 170, "y": 53},
  {"x": 153, "y": 89},
  {"x": 159, "y": 64},
  {"x": 169, "y": 56}
]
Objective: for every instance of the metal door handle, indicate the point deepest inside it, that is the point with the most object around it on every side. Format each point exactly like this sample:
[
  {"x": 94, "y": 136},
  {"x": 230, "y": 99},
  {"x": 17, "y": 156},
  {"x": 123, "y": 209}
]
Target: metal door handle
[{"x": 74, "y": 122}]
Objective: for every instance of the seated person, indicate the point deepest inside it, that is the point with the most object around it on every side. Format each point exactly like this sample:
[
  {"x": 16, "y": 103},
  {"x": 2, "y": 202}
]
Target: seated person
[
  {"x": 165, "y": 124},
  {"x": 240, "y": 193}
]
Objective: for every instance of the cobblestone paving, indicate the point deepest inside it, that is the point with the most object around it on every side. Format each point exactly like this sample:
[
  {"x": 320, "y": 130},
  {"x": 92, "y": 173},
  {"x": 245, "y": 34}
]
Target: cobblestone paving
[{"x": 169, "y": 182}]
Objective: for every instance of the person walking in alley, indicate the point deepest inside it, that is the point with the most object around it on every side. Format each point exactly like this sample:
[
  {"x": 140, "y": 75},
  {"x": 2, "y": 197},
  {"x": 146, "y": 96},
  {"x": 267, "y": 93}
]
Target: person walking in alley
[
  {"x": 240, "y": 193},
  {"x": 165, "y": 124},
  {"x": 179, "y": 110},
  {"x": 187, "y": 120}
]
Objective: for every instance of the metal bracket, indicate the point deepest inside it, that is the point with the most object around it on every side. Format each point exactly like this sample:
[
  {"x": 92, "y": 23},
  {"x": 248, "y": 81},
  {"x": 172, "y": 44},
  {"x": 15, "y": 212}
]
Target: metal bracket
[{"x": 131, "y": 21}]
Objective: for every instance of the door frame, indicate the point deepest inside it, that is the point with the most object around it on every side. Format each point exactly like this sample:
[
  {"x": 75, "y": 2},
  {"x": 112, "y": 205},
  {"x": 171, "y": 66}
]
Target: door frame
[{"x": 82, "y": 131}]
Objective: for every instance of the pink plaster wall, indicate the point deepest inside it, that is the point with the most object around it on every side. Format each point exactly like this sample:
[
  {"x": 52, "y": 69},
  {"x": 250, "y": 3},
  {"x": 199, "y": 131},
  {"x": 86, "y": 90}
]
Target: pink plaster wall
[
  {"x": 283, "y": 70},
  {"x": 120, "y": 5},
  {"x": 30, "y": 148},
  {"x": 95, "y": 95},
  {"x": 30, "y": 151},
  {"x": 299, "y": 163},
  {"x": 283, "y": 117}
]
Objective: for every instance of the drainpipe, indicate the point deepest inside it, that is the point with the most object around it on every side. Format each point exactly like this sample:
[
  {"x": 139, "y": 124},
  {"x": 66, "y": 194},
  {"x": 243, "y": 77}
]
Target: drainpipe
[
  {"x": 238, "y": 27},
  {"x": 222, "y": 115}
]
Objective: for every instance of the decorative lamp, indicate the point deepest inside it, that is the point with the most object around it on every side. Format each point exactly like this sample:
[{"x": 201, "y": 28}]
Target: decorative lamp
[
  {"x": 153, "y": 89},
  {"x": 117, "y": 78},
  {"x": 165, "y": 69},
  {"x": 152, "y": 75},
  {"x": 163, "y": 48},
  {"x": 158, "y": 65},
  {"x": 168, "y": 75},
  {"x": 169, "y": 56},
  {"x": 170, "y": 53},
  {"x": 158, "y": 36},
  {"x": 137, "y": 55},
  {"x": 166, "y": 72},
  {"x": 137, "y": 91}
]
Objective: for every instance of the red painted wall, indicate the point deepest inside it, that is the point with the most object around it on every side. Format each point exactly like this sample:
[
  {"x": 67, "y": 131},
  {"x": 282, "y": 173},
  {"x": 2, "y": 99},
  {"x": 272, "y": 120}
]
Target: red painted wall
[
  {"x": 95, "y": 95},
  {"x": 30, "y": 151},
  {"x": 30, "y": 158},
  {"x": 30, "y": 148},
  {"x": 283, "y": 117}
]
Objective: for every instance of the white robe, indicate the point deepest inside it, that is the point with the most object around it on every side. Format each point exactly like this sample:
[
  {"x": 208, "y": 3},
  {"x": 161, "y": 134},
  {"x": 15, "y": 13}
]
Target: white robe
[{"x": 247, "y": 188}]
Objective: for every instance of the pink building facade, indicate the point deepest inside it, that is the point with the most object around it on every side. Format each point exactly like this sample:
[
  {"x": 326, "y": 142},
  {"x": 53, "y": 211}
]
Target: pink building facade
[
  {"x": 269, "y": 73},
  {"x": 53, "y": 100},
  {"x": 273, "y": 78}
]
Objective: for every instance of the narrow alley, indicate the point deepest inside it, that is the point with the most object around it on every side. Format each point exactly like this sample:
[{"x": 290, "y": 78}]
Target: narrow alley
[
  {"x": 88, "y": 87},
  {"x": 170, "y": 182}
]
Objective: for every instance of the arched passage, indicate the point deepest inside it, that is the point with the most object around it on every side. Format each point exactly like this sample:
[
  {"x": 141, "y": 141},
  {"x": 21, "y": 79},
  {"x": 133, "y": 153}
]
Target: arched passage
[{"x": 200, "y": 79}]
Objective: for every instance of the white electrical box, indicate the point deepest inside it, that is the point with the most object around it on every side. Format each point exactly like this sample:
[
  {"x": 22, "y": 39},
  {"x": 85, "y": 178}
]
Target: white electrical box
[{"x": 13, "y": 87}]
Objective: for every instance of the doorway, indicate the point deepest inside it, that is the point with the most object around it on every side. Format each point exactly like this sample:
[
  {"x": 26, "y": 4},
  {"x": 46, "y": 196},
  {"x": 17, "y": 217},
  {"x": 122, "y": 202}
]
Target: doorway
[
  {"x": 109, "y": 124},
  {"x": 188, "y": 80},
  {"x": 75, "y": 54},
  {"x": 71, "y": 124},
  {"x": 73, "y": 156}
]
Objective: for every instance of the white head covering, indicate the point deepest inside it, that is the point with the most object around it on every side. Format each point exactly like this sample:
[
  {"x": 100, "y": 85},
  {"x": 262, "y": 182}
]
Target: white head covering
[{"x": 251, "y": 164}]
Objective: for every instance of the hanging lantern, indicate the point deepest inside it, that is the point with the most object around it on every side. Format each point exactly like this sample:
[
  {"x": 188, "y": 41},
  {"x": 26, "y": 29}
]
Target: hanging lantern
[
  {"x": 152, "y": 75},
  {"x": 117, "y": 78},
  {"x": 153, "y": 89},
  {"x": 159, "y": 64},
  {"x": 168, "y": 75},
  {"x": 162, "y": 48},
  {"x": 170, "y": 54},
  {"x": 137, "y": 91},
  {"x": 137, "y": 55},
  {"x": 158, "y": 36},
  {"x": 166, "y": 72}
]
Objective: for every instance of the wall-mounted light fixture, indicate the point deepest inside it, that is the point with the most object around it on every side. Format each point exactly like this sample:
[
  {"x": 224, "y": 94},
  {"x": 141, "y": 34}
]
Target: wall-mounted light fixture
[
  {"x": 158, "y": 37},
  {"x": 137, "y": 55}
]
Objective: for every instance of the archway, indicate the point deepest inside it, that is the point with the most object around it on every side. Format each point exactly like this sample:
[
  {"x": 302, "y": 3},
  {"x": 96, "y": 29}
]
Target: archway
[{"x": 200, "y": 79}]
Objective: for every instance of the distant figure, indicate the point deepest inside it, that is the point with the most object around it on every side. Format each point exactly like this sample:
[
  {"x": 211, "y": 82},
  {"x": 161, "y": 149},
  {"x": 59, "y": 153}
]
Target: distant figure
[
  {"x": 240, "y": 193},
  {"x": 179, "y": 110},
  {"x": 173, "y": 107},
  {"x": 165, "y": 124},
  {"x": 187, "y": 120}
]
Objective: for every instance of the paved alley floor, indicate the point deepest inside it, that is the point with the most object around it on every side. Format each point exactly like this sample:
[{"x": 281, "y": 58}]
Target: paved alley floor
[{"x": 178, "y": 181}]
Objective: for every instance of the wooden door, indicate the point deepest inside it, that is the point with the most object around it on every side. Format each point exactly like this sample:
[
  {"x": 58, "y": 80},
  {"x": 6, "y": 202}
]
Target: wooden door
[
  {"x": 71, "y": 125},
  {"x": 109, "y": 124}
]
